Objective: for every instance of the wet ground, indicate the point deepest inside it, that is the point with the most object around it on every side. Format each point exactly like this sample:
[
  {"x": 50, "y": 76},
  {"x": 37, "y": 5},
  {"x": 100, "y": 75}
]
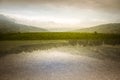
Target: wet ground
[{"x": 57, "y": 64}]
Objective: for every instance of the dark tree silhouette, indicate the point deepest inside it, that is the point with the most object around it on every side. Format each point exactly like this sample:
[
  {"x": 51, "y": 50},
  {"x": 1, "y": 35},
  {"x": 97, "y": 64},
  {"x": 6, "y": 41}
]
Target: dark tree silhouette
[{"x": 95, "y": 32}]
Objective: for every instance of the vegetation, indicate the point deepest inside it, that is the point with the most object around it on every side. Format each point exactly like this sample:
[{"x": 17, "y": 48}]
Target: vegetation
[
  {"x": 79, "y": 47},
  {"x": 58, "y": 36},
  {"x": 14, "y": 47}
]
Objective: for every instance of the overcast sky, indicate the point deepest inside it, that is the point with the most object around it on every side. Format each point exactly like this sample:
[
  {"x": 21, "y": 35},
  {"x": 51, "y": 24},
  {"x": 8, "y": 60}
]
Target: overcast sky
[{"x": 63, "y": 13}]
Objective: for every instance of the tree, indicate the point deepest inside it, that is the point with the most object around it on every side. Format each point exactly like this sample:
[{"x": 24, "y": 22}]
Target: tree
[{"x": 95, "y": 32}]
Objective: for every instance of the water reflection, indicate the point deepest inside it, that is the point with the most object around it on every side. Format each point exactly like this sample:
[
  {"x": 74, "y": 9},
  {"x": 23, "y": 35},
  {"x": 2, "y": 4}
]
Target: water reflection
[
  {"x": 56, "y": 64},
  {"x": 50, "y": 55}
]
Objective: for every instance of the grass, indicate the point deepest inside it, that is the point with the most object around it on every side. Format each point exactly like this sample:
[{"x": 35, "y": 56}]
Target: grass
[
  {"x": 14, "y": 47},
  {"x": 58, "y": 36},
  {"x": 18, "y": 42},
  {"x": 103, "y": 52}
]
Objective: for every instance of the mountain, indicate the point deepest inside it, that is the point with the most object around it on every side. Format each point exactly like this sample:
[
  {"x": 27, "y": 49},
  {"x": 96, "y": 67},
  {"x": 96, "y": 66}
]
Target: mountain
[
  {"x": 8, "y": 25},
  {"x": 105, "y": 28}
]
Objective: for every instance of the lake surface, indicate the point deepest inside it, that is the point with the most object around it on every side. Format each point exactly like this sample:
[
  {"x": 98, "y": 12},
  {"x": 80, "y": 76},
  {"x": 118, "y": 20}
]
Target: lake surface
[{"x": 60, "y": 63}]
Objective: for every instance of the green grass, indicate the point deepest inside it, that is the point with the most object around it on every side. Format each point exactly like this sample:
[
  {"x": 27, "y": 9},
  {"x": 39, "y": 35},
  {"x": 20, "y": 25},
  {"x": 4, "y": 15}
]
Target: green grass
[{"x": 58, "y": 36}]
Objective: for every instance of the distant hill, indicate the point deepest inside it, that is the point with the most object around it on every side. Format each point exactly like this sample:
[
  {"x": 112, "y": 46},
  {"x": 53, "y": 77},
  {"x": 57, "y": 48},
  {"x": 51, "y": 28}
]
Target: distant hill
[
  {"x": 105, "y": 28},
  {"x": 8, "y": 25}
]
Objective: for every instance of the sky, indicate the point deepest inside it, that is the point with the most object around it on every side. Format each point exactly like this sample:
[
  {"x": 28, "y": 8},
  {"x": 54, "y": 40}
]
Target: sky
[{"x": 62, "y": 14}]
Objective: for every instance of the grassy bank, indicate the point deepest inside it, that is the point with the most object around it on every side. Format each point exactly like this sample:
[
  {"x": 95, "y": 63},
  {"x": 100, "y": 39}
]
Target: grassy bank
[
  {"x": 19, "y": 42},
  {"x": 59, "y": 36},
  {"x": 98, "y": 51},
  {"x": 14, "y": 47}
]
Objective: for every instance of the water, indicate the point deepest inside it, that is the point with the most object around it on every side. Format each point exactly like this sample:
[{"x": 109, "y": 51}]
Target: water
[{"x": 56, "y": 64}]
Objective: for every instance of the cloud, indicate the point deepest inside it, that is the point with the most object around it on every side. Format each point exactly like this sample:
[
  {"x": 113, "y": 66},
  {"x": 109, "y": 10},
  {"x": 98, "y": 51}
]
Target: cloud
[
  {"x": 112, "y": 5},
  {"x": 86, "y": 12}
]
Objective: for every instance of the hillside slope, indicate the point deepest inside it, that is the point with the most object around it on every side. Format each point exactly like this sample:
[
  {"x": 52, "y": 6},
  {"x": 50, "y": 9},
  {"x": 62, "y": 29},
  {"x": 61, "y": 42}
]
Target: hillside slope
[
  {"x": 105, "y": 28},
  {"x": 9, "y": 25}
]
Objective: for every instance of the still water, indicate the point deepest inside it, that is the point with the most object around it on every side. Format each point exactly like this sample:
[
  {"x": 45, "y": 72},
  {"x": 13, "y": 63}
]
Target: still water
[{"x": 56, "y": 64}]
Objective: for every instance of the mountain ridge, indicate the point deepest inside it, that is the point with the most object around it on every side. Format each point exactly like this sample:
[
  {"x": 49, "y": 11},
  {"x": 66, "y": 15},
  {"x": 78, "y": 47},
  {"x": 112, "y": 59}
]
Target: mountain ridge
[
  {"x": 8, "y": 25},
  {"x": 103, "y": 28}
]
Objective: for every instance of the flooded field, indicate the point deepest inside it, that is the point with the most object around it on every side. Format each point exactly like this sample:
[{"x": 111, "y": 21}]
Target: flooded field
[{"x": 58, "y": 60}]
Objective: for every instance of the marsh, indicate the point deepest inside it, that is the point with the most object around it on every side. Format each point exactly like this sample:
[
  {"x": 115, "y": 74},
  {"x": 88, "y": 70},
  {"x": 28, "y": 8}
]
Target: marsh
[{"x": 58, "y": 60}]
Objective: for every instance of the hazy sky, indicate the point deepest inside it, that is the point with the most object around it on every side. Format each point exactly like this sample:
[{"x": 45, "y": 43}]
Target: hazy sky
[{"x": 62, "y": 13}]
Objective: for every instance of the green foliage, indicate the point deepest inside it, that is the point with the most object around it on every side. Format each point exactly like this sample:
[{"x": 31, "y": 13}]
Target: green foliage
[{"x": 58, "y": 36}]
